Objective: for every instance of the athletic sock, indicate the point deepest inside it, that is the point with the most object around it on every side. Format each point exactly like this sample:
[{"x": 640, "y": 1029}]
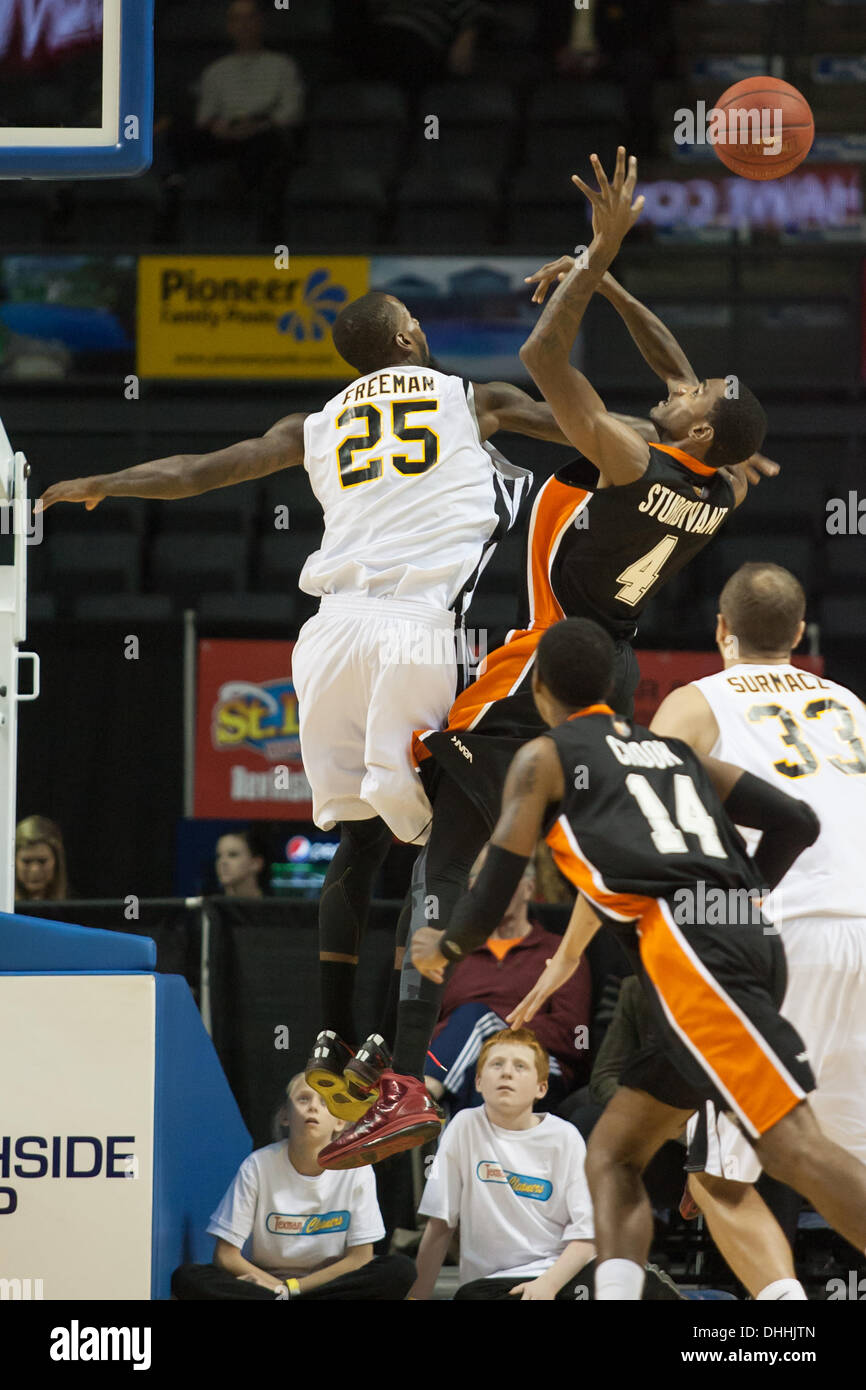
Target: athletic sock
[
  {"x": 782, "y": 1288},
  {"x": 338, "y": 985},
  {"x": 416, "y": 1020},
  {"x": 618, "y": 1281},
  {"x": 344, "y": 906},
  {"x": 389, "y": 1019}
]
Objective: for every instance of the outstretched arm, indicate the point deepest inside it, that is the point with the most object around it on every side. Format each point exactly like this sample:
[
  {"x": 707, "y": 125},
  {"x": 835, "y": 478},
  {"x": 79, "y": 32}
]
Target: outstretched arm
[
  {"x": 534, "y": 781},
  {"x": 500, "y": 406},
  {"x": 656, "y": 344},
  {"x": 618, "y": 451},
  {"x": 187, "y": 475}
]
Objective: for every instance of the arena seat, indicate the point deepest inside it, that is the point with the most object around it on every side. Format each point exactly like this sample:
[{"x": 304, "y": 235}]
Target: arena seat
[
  {"x": 187, "y": 566},
  {"x": 111, "y": 562},
  {"x": 117, "y": 212},
  {"x": 541, "y": 213},
  {"x": 23, "y": 215},
  {"x": 470, "y": 148},
  {"x": 358, "y": 104},
  {"x": 215, "y": 211},
  {"x": 471, "y": 103},
  {"x": 241, "y": 610},
  {"x": 41, "y": 608},
  {"x": 793, "y": 552},
  {"x": 567, "y": 102},
  {"x": 280, "y": 558},
  {"x": 134, "y": 608},
  {"x": 218, "y": 510},
  {"x": 845, "y": 616},
  {"x": 316, "y": 208},
  {"x": 563, "y": 150},
  {"x": 455, "y": 207},
  {"x": 377, "y": 148},
  {"x": 843, "y": 564}
]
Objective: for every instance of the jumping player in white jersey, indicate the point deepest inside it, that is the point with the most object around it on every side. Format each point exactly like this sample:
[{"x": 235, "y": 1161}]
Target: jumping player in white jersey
[
  {"x": 414, "y": 500},
  {"x": 808, "y": 736}
]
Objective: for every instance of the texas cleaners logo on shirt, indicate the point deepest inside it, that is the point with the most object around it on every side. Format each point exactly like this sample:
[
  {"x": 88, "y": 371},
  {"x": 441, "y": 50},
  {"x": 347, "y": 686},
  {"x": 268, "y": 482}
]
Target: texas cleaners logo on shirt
[
  {"x": 324, "y": 1224},
  {"x": 539, "y": 1189}
]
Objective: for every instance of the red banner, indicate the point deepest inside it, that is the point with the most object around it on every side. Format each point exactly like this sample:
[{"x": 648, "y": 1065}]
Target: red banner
[
  {"x": 248, "y": 755},
  {"x": 662, "y": 672}
]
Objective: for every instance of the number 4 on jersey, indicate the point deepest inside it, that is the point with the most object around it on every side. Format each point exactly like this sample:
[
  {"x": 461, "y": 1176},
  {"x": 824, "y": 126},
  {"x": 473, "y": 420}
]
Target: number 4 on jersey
[{"x": 639, "y": 577}]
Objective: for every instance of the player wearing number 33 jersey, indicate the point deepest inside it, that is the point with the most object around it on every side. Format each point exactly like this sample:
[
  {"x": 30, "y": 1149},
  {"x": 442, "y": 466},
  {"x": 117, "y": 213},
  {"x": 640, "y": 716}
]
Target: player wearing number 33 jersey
[{"x": 806, "y": 735}]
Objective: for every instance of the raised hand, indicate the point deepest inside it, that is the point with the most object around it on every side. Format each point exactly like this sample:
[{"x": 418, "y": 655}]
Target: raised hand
[
  {"x": 756, "y": 468},
  {"x": 86, "y": 490},
  {"x": 550, "y": 274},
  {"x": 614, "y": 211}
]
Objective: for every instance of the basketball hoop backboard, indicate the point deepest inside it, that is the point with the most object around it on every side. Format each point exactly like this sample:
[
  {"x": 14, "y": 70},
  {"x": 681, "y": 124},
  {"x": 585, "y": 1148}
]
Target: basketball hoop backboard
[{"x": 76, "y": 88}]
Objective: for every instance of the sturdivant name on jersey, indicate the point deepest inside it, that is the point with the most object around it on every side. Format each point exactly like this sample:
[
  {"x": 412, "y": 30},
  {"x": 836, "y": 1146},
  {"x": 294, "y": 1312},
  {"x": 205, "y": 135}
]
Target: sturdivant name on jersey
[
  {"x": 390, "y": 384},
  {"x": 771, "y": 682},
  {"x": 689, "y": 514}
]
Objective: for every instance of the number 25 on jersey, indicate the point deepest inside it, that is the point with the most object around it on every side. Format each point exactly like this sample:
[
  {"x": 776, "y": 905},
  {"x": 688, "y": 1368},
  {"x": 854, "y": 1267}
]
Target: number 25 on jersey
[{"x": 423, "y": 441}]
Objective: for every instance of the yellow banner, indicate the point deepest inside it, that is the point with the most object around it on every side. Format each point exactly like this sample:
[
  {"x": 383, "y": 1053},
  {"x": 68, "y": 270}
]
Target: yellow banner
[{"x": 244, "y": 316}]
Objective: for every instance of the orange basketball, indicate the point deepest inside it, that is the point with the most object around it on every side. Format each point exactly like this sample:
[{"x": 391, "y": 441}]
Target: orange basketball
[{"x": 766, "y": 129}]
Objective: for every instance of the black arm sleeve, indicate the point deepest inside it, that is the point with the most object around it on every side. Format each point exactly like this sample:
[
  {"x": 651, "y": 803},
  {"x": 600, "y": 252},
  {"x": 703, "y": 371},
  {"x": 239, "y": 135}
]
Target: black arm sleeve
[
  {"x": 789, "y": 825},
  {"x": 480, "y": 911}
]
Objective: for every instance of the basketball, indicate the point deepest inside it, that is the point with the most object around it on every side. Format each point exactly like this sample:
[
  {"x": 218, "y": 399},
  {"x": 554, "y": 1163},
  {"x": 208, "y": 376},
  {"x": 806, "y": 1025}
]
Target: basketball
[{"x": 768, "y": 128}]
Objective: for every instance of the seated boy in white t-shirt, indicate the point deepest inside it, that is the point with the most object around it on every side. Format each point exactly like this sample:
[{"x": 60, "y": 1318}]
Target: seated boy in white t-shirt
[
  {"x": 514, "y": 1183},
  {"x": 287, "y": 1229}
]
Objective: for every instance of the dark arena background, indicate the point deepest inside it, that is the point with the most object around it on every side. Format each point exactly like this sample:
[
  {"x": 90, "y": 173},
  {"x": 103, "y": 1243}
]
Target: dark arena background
[{"x": 181, "y": 309}]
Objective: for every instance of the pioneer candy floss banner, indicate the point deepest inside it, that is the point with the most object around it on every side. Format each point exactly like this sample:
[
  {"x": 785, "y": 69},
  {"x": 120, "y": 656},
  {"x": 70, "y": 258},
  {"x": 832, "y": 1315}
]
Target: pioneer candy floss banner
[
  {"x": 244, "y": 316},
  {"x": 248, "y": 753}
]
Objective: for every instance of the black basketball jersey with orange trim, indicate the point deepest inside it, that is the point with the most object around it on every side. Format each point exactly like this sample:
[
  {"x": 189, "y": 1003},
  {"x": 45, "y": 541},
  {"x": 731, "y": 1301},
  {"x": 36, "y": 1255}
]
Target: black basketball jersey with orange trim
[
  {"x": 640, "y": 818},
  {"x": 621, "y": 544}
]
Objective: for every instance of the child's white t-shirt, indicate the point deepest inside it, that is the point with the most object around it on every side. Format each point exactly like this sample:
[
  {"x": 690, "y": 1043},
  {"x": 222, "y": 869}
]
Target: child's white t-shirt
[
  {"x": 519, "y": 1196},
  {"x": 290, "y": 1224}
]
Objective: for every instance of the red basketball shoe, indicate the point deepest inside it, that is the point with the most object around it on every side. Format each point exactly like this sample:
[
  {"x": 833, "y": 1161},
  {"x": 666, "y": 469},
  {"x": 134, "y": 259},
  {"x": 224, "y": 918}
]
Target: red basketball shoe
[{"x": 403, "y": 1117}]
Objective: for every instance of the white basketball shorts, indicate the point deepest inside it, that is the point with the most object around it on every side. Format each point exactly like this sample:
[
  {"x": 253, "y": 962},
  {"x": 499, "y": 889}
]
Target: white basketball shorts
[
  {"x": 826, "y": 1002},
  {"x": 368, "y": 673}
]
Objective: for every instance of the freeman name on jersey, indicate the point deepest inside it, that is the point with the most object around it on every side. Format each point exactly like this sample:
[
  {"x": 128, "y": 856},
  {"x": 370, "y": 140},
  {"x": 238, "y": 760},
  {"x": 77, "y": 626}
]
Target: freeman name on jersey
[
  {"x": 389, "y": 384},
  {"x": 673, "y": 509}
]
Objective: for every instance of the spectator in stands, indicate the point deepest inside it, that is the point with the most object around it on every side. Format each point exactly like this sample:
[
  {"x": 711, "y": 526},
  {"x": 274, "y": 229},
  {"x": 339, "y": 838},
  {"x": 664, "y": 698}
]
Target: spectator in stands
[
  {"x": 631, "y": 41},
  {"x": 514, "y": 1183},
  {"x": 308, "y": 1234},
  {"x": 253, "y": 95},
  {"x": 418, "y": 41},
  {"x": 483, "y": 989},
  {"x": 241, "y": 863},
  {"x": 40, "y": 861},
  {"x": 248, "y": 106}
]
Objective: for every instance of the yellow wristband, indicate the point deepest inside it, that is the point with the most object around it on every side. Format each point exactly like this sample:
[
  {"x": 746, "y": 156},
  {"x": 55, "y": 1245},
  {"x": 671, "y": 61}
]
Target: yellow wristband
[{"x": 294, "y": 1288}]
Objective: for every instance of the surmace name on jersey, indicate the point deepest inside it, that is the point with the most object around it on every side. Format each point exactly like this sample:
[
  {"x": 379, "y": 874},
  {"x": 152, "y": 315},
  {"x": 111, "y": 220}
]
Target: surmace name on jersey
[{"x": 389, "y": 384}]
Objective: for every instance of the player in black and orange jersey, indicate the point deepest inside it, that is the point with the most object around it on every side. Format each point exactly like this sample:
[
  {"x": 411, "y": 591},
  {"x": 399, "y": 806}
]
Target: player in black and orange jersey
[
  {"x": 649, "y": 839},
  {"x": 605, "y": 533}
]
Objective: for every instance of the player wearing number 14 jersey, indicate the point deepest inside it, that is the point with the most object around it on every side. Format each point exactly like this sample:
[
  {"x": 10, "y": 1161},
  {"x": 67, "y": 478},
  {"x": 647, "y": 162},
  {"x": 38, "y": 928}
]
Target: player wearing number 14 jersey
[{"x": 643, "y": 841}]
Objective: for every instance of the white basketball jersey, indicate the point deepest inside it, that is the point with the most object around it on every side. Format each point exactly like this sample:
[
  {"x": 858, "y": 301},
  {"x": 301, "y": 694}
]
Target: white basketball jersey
[
  {"x": 413, "y": 501},
  {"x": 807, "y": 736}
]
